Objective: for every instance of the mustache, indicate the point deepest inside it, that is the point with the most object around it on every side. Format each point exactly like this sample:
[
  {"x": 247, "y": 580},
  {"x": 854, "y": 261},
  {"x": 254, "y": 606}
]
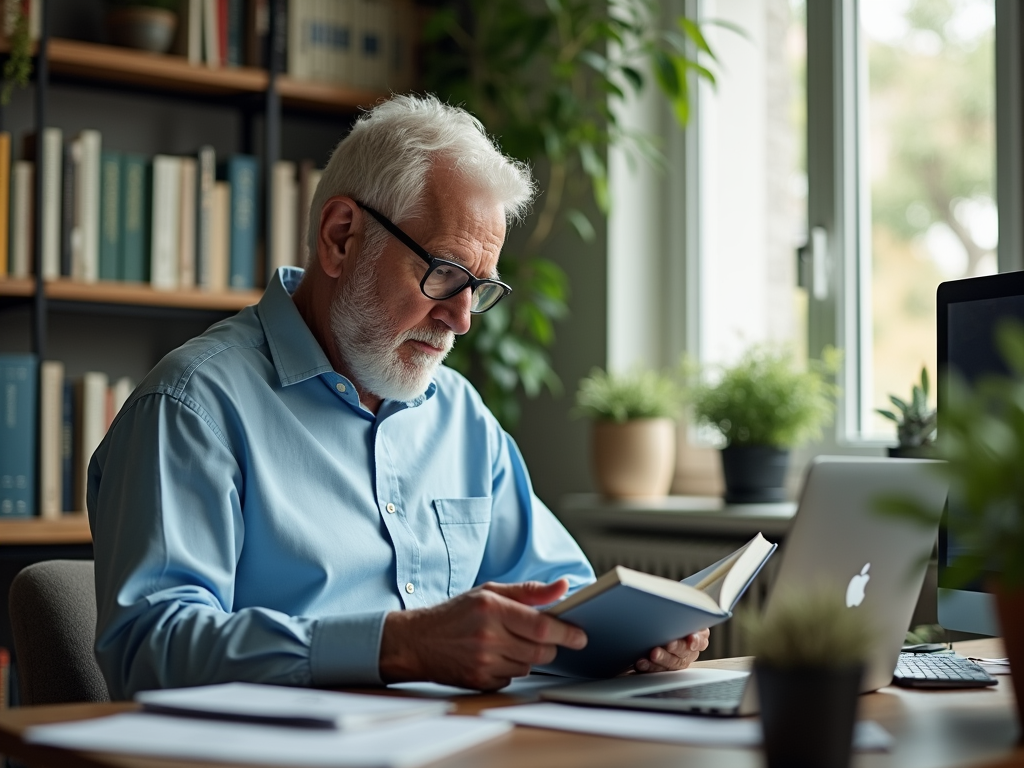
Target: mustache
[{"x": 434, "y": 337}]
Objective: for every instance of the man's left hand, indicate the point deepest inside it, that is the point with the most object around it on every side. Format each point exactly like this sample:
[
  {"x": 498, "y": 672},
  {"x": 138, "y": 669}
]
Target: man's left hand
[{"x": 679, "y": 654}]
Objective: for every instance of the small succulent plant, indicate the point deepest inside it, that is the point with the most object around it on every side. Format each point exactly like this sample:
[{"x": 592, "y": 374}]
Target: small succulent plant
[{"x": 915, "y": 420}]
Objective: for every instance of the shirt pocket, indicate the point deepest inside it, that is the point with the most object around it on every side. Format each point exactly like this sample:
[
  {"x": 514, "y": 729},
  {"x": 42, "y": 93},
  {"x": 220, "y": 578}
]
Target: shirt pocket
[{"x": 465, "y": 524}]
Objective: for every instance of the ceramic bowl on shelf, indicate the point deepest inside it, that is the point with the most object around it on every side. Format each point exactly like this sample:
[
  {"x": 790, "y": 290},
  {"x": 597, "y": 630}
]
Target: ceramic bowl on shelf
[{"x": 147, "y": 29}]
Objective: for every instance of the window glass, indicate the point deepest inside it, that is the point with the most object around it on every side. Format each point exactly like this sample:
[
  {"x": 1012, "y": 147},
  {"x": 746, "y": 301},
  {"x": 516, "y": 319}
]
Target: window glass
[{"x": 927, "y": 164}]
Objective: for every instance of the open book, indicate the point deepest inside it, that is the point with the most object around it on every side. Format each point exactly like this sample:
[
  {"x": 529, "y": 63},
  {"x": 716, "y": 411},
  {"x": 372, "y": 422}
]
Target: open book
[{"x": 626, "y": 613}]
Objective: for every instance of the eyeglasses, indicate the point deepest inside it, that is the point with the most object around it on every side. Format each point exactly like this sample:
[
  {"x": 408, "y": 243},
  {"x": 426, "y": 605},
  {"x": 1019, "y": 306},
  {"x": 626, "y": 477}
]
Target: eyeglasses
[{"x": 443, "y": 279}]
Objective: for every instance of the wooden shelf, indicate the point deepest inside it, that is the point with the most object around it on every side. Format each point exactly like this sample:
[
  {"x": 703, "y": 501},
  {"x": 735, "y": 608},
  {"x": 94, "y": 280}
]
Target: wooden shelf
[
  {"x": 74, "y": 58},
  {"x": 69, "y": 529},
  {"x": 17, "y": 286},
  {"x": 145, "y": 295}
]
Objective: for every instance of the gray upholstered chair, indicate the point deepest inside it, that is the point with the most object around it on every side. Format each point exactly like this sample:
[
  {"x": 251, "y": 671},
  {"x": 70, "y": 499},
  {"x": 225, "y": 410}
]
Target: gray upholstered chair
[{"x": 53, "y": 616}]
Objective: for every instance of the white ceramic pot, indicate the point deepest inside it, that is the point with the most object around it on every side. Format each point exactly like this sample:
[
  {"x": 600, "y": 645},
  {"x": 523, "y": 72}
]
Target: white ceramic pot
[{"x": 635, "y": 459}]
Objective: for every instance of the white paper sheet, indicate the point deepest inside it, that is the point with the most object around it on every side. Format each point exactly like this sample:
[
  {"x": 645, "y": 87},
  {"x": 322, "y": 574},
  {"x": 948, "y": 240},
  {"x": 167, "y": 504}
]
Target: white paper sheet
[
  {"x": 398, "y": 745},
  {"x": 655, "y": 726},
  {"x": 283, "y": 705},
  {"x": 528, "y": 687}
]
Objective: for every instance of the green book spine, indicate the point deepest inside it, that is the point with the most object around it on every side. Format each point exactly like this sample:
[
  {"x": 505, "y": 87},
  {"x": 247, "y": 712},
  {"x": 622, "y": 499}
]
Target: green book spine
[
  {"x": 111, "y": 267},
  {"x": 135, "y": 218}
]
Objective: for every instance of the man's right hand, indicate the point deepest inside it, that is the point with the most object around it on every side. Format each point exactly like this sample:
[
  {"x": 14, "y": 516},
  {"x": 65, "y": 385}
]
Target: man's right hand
[{"x": 480, "y": 639}]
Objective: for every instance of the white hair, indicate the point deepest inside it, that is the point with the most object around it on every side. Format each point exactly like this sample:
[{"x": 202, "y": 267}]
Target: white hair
[{"x": 384, "y": 160}]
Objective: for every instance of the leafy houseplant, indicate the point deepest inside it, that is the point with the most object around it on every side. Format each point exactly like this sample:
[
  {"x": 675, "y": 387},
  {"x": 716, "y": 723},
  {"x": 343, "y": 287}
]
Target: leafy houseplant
[
  {"x": 762, "y": 406},
  {"x": 543, "y": 77},
  {"x": 981, "y": 443},
  {"x": 18, "y": 67},
  {"x": 915, "y": 421},
  {"x": 633, "y": 439},
  {"x": 809, "y": 653}
]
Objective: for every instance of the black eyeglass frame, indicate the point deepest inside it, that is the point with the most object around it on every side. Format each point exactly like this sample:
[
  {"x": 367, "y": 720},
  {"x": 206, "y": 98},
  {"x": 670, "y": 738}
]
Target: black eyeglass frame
[{"x": 472, "y": 281}]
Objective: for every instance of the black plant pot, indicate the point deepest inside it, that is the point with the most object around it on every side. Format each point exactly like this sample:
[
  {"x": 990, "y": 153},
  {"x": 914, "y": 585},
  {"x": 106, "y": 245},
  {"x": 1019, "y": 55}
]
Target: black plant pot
[
  {"x": 808, "y": 714},
  {"x": 901, "y": 452},
  {"x": 754, "y": 474}
]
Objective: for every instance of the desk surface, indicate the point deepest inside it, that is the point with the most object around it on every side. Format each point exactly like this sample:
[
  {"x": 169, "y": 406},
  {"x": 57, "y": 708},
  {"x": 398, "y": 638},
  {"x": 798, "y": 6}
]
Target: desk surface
[{"x": 933, "y": 729}]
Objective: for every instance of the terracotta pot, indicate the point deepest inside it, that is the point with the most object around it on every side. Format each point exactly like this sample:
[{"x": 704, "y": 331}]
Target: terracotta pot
[
  {"x": 634, "y": 459},
  {"x": 1010, "y": 605}
]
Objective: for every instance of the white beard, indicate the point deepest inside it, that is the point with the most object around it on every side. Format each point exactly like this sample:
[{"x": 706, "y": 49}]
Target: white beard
[{"x": 368, "y": 340}]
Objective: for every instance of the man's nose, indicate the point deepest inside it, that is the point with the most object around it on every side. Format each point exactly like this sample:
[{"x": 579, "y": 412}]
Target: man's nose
[{"x": 454, "y": 312}]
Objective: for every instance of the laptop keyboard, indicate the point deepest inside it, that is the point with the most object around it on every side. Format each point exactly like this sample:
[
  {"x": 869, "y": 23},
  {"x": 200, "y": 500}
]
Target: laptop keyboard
[
  {"x": 939, "y": 670},
  {"x": 722, "y": 690}
]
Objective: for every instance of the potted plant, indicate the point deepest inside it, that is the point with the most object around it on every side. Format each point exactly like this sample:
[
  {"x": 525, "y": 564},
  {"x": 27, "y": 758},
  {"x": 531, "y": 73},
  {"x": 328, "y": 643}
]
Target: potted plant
[
  {"x": 981, "y": 445},
  {"x": 147, "y": 25},
  {"x": 633, "y": 440},
  {"x": 18, "y": 66},
  {"x": 915, "y": 422},
  {"x": 809, "y": 656},
  {"x": 762, "y": 406}
]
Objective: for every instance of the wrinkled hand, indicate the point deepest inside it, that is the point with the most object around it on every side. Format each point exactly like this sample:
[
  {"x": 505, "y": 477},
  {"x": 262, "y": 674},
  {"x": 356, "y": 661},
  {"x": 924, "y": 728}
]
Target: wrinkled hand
[
  {"x": 480, "y": 639},
  {"x": 679, "y": 654}
]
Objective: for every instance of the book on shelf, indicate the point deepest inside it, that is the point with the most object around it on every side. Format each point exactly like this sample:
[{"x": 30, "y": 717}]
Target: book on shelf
[
  {"x": 90, "y": 425},
  {"x": 284, "y": 213},
  {"x": 5, "y": 199},
  {"x": 110, "y": 267},
  {"x": 164, "y": 255},
  {"x": 220, "y": 237},
  {"x": 19, "y": 377},
  {"x": 50, "y": 152},
  {"x": 206, "y": 175},
  {"x": 242, "y": 173},
  {"x": 257, "y": 28},
  {"x": 134, "y": 218},
  {"x": 188, "y": 40},
  {"x": 85, "y": 236},
  {"x": 626, "y": 613},
  {"x": 22, "y": 209},
  {"x": 67, "y": 448},
  {"x": 187, "y": 223},
  {"x": 67, "y": 208},
  {"x": 51, "y": 439}
]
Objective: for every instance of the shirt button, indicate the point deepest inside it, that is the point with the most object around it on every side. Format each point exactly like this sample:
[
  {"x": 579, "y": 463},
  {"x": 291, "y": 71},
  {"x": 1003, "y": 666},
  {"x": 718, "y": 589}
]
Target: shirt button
[
  {"x": 340, "y": 387},
  {"x": 390, "y": 508},
  {"x": 410, "y": 588}
]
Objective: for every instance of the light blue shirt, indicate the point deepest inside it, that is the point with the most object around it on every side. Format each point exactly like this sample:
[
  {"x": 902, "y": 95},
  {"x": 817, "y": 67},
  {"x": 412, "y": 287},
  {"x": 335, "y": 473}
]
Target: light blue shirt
[{"x": 252, "y": 521}]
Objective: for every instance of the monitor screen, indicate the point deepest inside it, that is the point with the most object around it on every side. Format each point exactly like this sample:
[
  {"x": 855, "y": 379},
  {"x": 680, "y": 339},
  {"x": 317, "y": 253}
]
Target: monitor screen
[{"x": 968, "y": 313}]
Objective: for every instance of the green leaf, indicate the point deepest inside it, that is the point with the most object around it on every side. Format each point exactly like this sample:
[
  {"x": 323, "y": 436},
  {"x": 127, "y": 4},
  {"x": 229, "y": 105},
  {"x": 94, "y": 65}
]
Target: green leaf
[
  {"x": 581, "y": 224},
  {"x": 887, "y": 414},
  {"x": 635, "y": 78},
  {"x": 666, "y": 73},
  {"x": 692, "y": 31},
  {"x": 595, "y": 61}
]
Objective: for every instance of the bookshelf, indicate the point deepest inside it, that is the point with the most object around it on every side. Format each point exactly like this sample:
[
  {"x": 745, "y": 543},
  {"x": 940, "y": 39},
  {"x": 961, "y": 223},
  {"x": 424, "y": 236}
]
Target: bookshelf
[{"x": 70, "y": 529}]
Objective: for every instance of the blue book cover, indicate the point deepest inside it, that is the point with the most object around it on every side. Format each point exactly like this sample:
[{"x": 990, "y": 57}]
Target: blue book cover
[
  {"x": 110, "y": 216},
  {"x": 19, "y": 391},
  {"x": 626, "y": 613},
  {"x": 134, "y": 218},
  {"x": 242, "y": 174},
  {"x": 67, "y": 448}
]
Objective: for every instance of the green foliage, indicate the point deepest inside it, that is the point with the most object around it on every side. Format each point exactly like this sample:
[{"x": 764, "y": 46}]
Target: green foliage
[
  {"x": 637, "y": 395},
  {"x": 809, "y": 628},
  {"x": 915, "y": 420},
  {"x": 981, "y": 440},
  {"x": 541, "y": 76},
  {"x": 18, "y": 67},
  {"x": 765, "y": 399}
]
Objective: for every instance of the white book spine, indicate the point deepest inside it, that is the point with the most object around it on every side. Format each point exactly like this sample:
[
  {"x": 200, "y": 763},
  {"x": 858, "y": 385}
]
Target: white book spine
[
  {"x": 52, "y": 154},
  {"x": 299, "y": 29},
  {"x": 92, "y": 420},
  {"x": 21, "y": 219},
  {"x": 284, "y": 211},
  {"x": 166, "y": 220},
  {"x": 211, "y": 34},
  {"x": 51, "y": 438},
  {"x": 195, "y": 31},
  {"x": 122, "y": 389},
  {"x": 86, "y": 235},
  {"x": 220, "y": 236},
  {"x": 207, "y": 174},
  {"x": 187, "y": 228}
]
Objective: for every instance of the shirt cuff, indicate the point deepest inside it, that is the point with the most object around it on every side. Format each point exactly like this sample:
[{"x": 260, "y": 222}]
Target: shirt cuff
[{"x": 346, "y": 649}]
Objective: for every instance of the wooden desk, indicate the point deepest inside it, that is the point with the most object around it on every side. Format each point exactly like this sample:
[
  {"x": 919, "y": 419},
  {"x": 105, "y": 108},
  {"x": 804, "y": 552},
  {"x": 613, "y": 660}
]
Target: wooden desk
[{"x": 933, "y": 729}]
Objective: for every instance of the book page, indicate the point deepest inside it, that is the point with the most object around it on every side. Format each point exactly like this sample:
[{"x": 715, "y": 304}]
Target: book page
[{"x": 743, "y": 570}]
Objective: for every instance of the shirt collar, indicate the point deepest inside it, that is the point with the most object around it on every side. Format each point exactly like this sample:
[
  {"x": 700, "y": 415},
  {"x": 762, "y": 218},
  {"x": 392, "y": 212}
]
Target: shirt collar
[{"x": 296, "y": 353}]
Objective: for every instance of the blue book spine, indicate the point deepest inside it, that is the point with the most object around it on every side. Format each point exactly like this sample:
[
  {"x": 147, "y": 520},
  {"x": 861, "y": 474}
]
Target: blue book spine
[
  {"x": 110, "y": 216},
  {"x": 19, "y": 391},
  {"x": 236, "y": 24},
  {"x": 242, "y": 173},
  {"x": 134, "y": 218},
  {"x": 67, "y": 448}
]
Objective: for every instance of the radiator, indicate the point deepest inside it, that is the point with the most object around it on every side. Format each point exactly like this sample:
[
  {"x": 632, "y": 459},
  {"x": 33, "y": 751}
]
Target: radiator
[{"x": 676, "y": 558}]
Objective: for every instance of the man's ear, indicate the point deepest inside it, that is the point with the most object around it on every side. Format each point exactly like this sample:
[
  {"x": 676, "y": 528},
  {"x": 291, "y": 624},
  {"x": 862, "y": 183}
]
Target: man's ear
[{"x": 340, "y": 236}]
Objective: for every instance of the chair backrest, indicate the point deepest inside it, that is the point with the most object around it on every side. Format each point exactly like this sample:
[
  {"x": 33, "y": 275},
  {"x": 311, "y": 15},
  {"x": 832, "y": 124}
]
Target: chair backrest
[{"x": 53, "y": 616}]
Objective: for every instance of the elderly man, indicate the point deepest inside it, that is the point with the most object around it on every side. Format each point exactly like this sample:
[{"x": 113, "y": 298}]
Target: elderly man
[{"x": 303, "y": 495}]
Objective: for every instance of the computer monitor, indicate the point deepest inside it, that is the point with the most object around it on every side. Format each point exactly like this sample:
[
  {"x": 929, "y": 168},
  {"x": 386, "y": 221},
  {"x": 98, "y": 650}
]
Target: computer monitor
[{"x": 968, "y": 313}]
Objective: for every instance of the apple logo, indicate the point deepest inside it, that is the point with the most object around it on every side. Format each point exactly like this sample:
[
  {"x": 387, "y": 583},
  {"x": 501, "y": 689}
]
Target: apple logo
[{"x": 855, "y": 591}]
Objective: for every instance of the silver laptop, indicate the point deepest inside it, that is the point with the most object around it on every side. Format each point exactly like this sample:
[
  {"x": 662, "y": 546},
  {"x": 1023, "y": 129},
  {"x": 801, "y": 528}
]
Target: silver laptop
[{"x": 837, "y": 537}]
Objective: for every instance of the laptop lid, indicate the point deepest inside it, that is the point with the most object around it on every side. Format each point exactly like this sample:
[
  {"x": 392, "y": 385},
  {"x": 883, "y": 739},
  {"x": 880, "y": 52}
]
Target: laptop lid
[{"x": 837, "y": 540}]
